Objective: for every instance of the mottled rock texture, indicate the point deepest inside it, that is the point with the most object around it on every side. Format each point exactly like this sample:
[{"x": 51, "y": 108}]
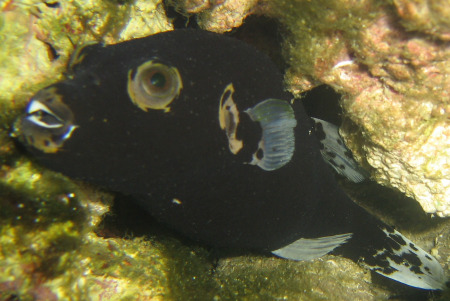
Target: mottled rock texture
[
  {"x": 53, "y": 245},
  {"x": 390, "y": 60}
]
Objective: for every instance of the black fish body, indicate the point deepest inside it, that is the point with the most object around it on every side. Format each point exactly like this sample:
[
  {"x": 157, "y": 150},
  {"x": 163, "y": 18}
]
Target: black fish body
[{"x": 200, "y": 160}]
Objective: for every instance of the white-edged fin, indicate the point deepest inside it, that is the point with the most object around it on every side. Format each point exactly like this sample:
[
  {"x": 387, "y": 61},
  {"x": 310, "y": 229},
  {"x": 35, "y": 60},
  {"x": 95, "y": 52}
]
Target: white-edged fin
[
  {"x": 336, "y": 154},
  {"x": 277, "y": 144},
  {"x": 407, "y": 263},
  {"x": 311, "y": 248}
]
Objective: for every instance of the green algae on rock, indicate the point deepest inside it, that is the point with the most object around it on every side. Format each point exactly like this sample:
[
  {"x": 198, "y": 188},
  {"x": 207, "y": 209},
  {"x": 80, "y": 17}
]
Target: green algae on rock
[
  {"x": 44, "y": 220},
  {"x": 49, "y": 250},
  {"x": 431, "y": 17},
  {"x": 34, "y": 34},
  {"x": 394, "y": 88},
  {"x": 371, "y": 52},
  {"x": 262, "y": 278}
]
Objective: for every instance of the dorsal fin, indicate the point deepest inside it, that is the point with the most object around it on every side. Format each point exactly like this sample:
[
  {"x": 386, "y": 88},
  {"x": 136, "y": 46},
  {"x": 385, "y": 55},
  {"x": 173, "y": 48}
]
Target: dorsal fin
[{"x": 336, "y": 154}]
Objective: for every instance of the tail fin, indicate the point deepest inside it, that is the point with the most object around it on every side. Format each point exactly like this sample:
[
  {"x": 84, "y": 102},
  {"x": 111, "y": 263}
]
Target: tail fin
[{"x": 400, "y": 259}]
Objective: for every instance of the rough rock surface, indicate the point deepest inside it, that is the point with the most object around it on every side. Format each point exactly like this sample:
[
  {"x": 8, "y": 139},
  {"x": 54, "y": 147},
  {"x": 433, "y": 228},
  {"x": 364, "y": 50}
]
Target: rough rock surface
[
  {"x": 390, "y": 61},
  {"x": 53, "y": 245}
]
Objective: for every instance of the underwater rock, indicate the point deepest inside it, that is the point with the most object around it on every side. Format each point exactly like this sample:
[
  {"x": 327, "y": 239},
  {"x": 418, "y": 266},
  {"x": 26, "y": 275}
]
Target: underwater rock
[
  {"x": 260, "y": 278},
  {"x": 393, "y": 79},
  {"x": 37, "y": 38},
  {"x": 47, "y": 239},
  {"x": 431, "y": 17},
  {"x": 394, "y": 85},
  {"x": 218, "y": 16}
]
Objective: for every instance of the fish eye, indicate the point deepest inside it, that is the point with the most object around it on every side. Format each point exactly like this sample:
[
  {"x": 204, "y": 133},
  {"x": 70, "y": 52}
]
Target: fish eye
[
  {"x": 154, "y": 85},
  {"x": 42, "y": 116},
  {"x": 47, "y": 122}
]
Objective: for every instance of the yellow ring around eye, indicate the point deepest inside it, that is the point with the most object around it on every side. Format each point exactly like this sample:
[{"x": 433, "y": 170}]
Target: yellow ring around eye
[{"x": 154, "y": 85}]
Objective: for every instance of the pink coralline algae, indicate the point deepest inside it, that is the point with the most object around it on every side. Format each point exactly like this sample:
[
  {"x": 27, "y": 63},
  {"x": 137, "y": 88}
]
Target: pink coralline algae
[
  {"x": 389, "y": 60},
  {"x": 395, "y": 86},
  {"x": 431, "y": 17}
]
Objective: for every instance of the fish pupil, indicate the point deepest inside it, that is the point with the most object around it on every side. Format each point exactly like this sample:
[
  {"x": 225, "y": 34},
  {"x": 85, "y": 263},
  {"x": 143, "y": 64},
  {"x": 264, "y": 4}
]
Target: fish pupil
[
  {"x": 158, "y": 80},
  {"x": 46, "y": 117}
]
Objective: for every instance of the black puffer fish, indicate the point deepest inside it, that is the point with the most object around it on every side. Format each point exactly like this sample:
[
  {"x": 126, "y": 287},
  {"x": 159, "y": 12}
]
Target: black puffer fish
[{"x": 197, "y": 127}]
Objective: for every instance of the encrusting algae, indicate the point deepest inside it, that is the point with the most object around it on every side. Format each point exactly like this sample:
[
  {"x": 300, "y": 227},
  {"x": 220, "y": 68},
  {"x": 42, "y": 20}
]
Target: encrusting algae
[
  {"x": 389, "y": 64},
  {"x": 51, "y": 246}
]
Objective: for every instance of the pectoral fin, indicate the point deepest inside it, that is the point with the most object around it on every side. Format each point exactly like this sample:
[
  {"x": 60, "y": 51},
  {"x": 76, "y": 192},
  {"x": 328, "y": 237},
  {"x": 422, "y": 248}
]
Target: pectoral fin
[
  {"x": 277, "y": 143},
  {"x": 311, "y": 248}
]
